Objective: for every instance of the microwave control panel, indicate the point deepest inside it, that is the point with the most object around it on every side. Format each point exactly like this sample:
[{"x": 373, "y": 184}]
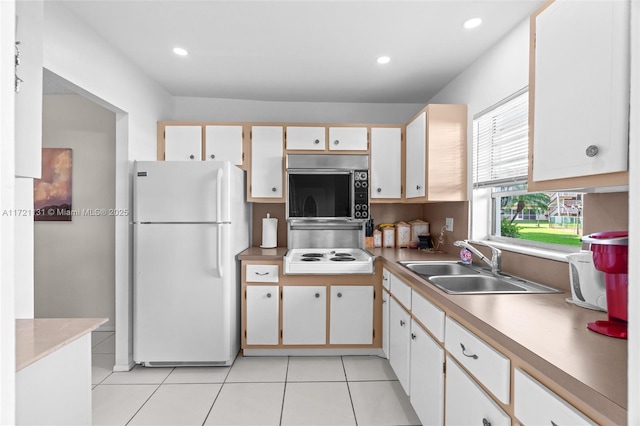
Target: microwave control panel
[{"x": 361, "y": 194}]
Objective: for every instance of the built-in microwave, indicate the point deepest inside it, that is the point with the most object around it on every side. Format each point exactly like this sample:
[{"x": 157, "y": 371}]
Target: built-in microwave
[{"x": 328, "y": 187}]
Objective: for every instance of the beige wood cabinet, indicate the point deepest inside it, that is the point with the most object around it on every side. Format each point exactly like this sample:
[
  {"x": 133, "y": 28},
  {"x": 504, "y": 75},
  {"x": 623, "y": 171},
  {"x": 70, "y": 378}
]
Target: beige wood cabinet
[
  {"x": 309, "y": 311},
  {"x": 436, "y": 154},
  {"x": 579, "y": 95}
]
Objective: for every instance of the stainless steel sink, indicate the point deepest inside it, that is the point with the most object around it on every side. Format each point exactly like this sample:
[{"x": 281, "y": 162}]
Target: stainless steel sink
[
  {"x": 428, "y": 269},
  {"x": 458, "y": 278}
]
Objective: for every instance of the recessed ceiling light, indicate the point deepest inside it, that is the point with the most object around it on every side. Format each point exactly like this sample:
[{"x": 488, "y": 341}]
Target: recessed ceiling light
[
  {"x": 384, "y": 60},
  {"x": 472, "y": 23},
  {"x": 180, "y": 51}
]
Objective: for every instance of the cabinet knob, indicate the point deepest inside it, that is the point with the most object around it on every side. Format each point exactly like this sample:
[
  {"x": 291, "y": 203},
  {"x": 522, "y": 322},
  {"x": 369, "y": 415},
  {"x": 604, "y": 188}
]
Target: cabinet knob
[
  {"x": 212, "y": 156},
  {"x": 591, "y": 151},
  {"x": 336, "y": 142},
  {"x": 274, "y": 189},
  {"x": 268, "y": 295},
  {"x": 418, "y": 187},
  {"x": 413, "y": 336},
  {"x": 401, "y": 323},
  {"x": 192, "y": 156},
  {"x": 339, "y": 294},
  {"x": 379, "y": 190},
  {"x": 486, "y": 422},
  {"x": 317, "y": 295},
  {"x": 317, "y": 141}
]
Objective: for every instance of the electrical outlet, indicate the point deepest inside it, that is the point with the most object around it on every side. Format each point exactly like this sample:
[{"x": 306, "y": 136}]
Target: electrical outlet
[{"x": 449, "y": 224}]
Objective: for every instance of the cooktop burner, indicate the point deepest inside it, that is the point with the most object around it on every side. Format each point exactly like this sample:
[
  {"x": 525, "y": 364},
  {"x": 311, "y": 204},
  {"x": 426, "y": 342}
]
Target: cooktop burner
[
  {"x": 328, "y": 261},
  {"x": 343, "y": 258},
  {"x": 310, "y": 259},
  {"x": 343, "y": 255},
  {"x": 312, "y": 255}
]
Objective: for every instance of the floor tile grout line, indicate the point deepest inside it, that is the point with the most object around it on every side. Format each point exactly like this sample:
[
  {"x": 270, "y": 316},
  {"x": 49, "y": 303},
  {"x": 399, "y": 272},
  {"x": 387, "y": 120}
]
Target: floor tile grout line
[
  {"x": 284, "y": 391},
  {"x": 346, "y": 378},
  {"x": 143, "y": 404}
]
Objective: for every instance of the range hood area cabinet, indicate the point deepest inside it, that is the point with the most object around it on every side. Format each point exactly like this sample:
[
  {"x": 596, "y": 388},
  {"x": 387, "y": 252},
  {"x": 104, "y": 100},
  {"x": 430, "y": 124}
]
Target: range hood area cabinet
[
  {"x": 436, "y": 154},
  {"x": 579, "y": 95}
]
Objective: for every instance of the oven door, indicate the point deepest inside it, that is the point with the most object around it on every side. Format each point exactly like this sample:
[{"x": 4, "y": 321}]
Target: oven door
[{"x": 320, "y": 194}]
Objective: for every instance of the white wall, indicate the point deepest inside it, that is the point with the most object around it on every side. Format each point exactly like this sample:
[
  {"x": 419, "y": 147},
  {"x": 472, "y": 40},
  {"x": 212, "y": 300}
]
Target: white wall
[
  {"x": 206, "y": 109},
  {"x": 74, "y": 261},
  {"x": 497, "y": 74},
  {"x": 73, "y": 51},
  {"x": 7, "y": 143}
]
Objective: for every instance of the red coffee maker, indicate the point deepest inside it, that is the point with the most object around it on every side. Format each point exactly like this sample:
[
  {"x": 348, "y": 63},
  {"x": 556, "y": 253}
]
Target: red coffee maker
[{"x": 610, "y": 255}]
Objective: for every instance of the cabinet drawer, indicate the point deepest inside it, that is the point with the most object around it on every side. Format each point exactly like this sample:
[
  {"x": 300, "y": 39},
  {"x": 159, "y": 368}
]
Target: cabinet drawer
[
  {"x": 262, "y": 274},
  {"x": 535, "y": 404},
  {"x": 386, "y": 277},
  {"x": 489, "y": 366},
  {"x": 401, "y": 291},
  {"x": 428, "y": 314}
]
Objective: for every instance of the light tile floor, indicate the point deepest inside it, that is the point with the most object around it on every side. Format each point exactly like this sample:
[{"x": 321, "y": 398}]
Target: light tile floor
[{"x": 255, "y": 391}]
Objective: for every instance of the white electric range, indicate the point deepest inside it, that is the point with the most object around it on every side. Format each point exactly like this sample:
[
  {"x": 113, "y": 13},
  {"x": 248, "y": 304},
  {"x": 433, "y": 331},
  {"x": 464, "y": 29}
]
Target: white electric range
[{"x": 328, "y": 261}]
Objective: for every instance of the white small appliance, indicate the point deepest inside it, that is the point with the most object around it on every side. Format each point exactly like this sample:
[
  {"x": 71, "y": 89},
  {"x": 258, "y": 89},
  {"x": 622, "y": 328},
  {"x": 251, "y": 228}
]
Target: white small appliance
[
  {"x": 587, "y": 283},
  {"x": 190, "y": 220}
]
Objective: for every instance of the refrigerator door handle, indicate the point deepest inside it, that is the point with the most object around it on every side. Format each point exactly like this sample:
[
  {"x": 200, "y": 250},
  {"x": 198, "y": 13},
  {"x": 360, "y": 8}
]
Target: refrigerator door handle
[
  {"x": 219, "y": 196},
  {"x": 219, "y": 253}
]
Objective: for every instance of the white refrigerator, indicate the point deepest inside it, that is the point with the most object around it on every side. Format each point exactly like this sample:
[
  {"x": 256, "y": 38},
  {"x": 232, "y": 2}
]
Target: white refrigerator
[{"x": 190, "y": 220}]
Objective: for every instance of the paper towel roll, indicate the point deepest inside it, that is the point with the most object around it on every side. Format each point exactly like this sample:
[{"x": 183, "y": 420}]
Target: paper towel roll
[{"x": 269, "y": 232}]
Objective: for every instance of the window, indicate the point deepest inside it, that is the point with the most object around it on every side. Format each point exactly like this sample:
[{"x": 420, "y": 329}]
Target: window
[{"x": 500, "y": 169}]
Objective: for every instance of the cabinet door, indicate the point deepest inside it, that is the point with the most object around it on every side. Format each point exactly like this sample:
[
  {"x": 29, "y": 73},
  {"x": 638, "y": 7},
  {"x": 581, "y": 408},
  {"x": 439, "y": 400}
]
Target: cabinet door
[
  {"x": 223, "y": 143},
  {"x": 581, "y": 90},
  {"x": 467, "y": 404},
  {"x": 262, "y": 314},
  {"x": 386, "y": 163},
  {"x": 400, "y": 343},
  {"x": 535, "y": 404},
  {"x": 385, "y": 323},
  {"x": 182, "y": 143},
  {"x": 416, "y": 156},
  {"x": 347, "y": 138},
  {"x": 427, "y": 377},
  {"x": 307, "y": 138},
  {"x": 266, "y": 162},
  {"x": 351, "y": 315},
  {"x": 304, "y": 315}
]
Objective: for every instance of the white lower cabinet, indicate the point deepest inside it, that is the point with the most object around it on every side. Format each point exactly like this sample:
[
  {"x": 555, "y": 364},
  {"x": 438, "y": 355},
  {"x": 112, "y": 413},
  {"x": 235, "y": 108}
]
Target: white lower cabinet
[
  {"x": 400, "y": 343},
  {"x": 262, "y": 308},
  {"x": 535, "y": 404},
  {"x": 467, "y": 404},
  {"x": 351, "y": 315},
  {"x": 427, "y": 377},
  {"x": 385, "y": 323},
  {"x": 304, "y": 315}
]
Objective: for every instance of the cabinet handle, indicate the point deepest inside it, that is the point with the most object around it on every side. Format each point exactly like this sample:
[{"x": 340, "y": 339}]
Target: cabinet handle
[
  {"x": 317, "y": 141},
  {"x": 336, "y": 142},
  {"x": 384, "y": 301},
  {"x": 401, "y": 323},
  {"x": 339, "y": 294},
  {"x": 212, "y": 156},
  {"x": 274, "y": 189},
  {"x": 268, "y": 295},
  {"x": 192, "y": 156},
  {"x": 486, "y": 422},
  {"x": 474, "y": 356},
  {"x": 553, "y": 423},
  {"x": 379, "y": 190},
  {"x": 413, "y": 336},
  {"x": 591, "y": 151},
  {"x": 262, "y": 274},
  {"x": 317, "y": 295}
]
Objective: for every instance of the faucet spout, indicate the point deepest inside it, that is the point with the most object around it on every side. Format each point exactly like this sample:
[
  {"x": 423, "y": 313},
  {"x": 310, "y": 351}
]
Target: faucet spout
[{"x": 496, "y": 254}]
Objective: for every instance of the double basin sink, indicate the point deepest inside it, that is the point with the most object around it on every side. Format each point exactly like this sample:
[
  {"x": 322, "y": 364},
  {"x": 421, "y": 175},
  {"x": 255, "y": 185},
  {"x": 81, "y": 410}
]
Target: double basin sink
[{"x": 459, "y": 278}]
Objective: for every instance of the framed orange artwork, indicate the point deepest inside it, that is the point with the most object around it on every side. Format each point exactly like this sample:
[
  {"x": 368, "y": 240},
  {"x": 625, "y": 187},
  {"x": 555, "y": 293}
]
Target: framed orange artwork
[{"x": 52, "y": 192}]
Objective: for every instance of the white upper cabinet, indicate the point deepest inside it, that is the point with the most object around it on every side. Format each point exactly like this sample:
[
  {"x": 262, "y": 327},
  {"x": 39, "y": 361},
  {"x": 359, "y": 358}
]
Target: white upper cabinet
[
  {"x": 348, "y": 139},
  {"x": 267, "y": 157},
  {"x": 386, "y": 163},
  {"x": 416, "y": 152},
  {"x": 306, "y": 138},
  {"x": 223, "y": 143},
  {"x": 183, "y": 143},
  {"x": 580, "y": 85}
]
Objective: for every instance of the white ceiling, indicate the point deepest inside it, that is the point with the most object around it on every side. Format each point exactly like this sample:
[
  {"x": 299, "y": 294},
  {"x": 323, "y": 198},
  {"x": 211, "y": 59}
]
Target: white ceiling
[{"x": 303, "y": 50}]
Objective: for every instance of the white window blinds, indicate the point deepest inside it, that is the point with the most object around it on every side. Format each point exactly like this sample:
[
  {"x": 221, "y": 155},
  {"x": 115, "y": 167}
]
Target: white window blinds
[{"x": 501, "y": 143}]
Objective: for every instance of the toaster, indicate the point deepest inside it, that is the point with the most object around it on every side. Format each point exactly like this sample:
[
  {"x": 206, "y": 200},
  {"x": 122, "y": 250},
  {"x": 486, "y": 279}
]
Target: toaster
[{"x": 587, "y": 283}]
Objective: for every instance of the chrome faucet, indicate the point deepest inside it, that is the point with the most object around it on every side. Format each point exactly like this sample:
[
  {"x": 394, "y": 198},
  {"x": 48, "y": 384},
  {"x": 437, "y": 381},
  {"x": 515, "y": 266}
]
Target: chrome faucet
[{"x": 496, "y": 254}]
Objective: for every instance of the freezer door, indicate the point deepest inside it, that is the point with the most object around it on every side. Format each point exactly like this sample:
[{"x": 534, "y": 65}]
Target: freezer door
[
  {"x": 185, "y": 294},
  {"x": 181, "y": 191}
]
